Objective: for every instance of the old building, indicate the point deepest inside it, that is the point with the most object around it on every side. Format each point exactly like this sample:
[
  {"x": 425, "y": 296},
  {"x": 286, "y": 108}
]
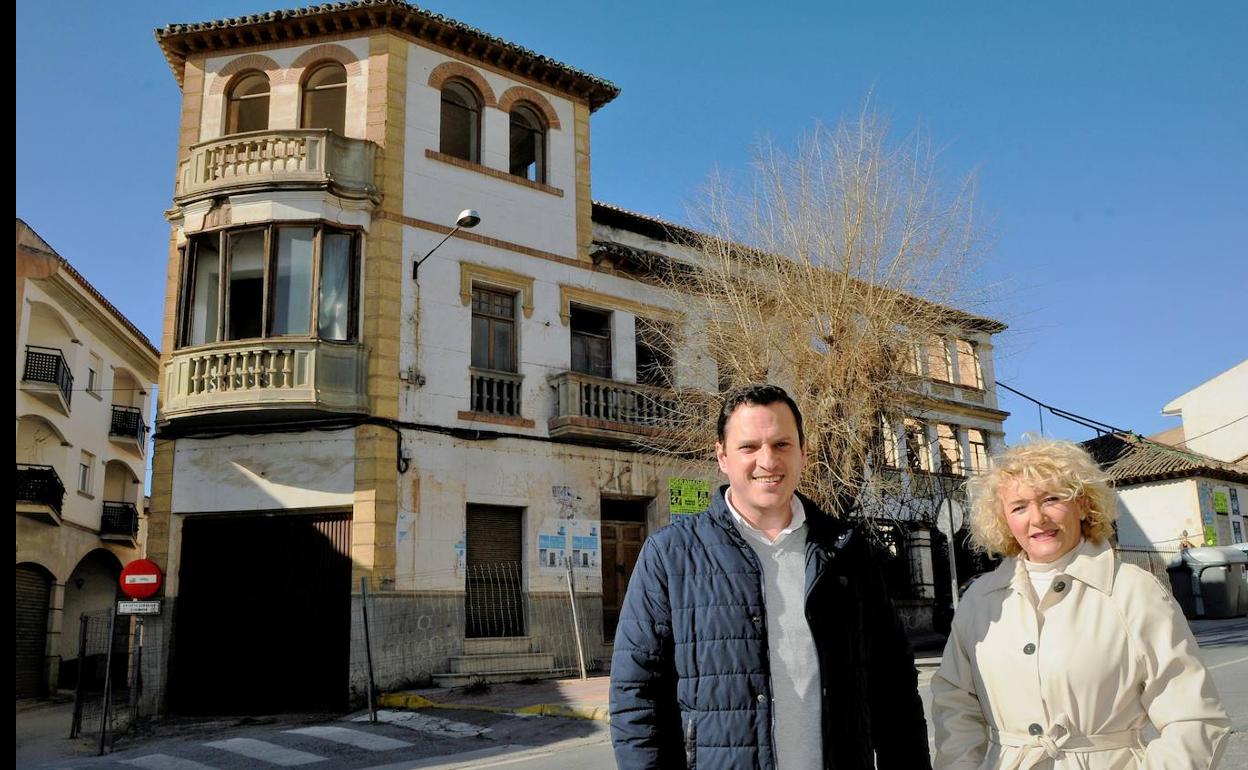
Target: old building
[
  {"x": 84, "y": 373},
  {"x": 346, "y": 397}
]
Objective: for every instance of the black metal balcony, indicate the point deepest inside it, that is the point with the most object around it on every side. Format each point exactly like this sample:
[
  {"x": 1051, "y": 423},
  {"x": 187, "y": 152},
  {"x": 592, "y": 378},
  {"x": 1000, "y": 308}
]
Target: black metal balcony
[
  {"x": 119, "y": 520},
  {"x": 40, "y": 485},
  {"x": 48, "y": 365},
  {"x": 127, "y": 423}
]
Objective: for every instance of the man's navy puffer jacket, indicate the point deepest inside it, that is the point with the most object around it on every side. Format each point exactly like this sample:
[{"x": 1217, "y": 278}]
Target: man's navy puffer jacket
[{"x": 689, "y": 676}]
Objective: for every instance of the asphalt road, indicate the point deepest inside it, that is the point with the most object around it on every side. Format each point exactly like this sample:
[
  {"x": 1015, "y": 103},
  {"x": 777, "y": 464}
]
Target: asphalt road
[{"x": 458, "y": 740}]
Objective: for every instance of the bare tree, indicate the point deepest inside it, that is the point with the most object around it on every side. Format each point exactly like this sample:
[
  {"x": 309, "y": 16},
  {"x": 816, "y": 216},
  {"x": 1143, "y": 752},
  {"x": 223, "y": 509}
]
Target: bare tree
[{"x": 826, "y": 269}]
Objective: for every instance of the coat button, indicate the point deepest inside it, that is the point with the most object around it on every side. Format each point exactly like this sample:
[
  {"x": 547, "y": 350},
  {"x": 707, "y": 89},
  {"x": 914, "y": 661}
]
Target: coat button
[
  {"x": 1029, "y": 648},
  {"x": 758, "y": 620},
  {"x": 1035, "y": 729},
  {"x": 762, "y": 698},
  {"x": 1059, "y": 586}
]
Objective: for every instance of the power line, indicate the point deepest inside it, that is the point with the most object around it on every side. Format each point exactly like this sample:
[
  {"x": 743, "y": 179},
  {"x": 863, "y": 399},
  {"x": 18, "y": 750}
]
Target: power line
[
  {"x": 1087, "y": 422},
  {"x": 1215, "y": 430}
]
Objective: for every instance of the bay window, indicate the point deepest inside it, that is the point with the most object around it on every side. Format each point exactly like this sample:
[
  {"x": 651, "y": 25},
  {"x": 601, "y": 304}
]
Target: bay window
[{"x": 280, "y": 280}]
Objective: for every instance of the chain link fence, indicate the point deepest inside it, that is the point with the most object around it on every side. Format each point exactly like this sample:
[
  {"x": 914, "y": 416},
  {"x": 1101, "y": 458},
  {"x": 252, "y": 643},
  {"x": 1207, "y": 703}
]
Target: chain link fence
[
  {"x": 491, "y": 628},
  {"x": 1148, "y": 559}
]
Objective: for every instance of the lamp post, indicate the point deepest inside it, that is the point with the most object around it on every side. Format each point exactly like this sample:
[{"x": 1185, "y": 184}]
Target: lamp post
[{"x": 468, "y": 219}]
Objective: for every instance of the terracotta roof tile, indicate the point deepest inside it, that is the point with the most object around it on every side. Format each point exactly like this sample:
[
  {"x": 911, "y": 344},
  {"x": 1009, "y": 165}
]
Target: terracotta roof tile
[{"x": 1131, "y": 459}]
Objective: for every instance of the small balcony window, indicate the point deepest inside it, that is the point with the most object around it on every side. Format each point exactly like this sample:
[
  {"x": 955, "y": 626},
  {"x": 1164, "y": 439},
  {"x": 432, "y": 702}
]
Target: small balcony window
[
  {"x": 950, "y": 448},
  {"x": 978, "y": 441},
  {"x": 493, "y": 330},
  {"x": 591, "y": 341},
  {"x": 528, "y": 145},
  {"x": 654, "y": 354},
  {"x": 281, "y": 278},
  {"x": 918, "y": 449},
  {"x": 461, "y": 122},
  {"x": 247, "y": 105},
  {"x": 970, "y": 373},
  {"x": 325, "y": 98}
]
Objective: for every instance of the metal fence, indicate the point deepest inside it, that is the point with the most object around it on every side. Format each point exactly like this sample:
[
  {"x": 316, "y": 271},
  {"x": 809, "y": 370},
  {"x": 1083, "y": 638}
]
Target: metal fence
[
  {"x": 489, "y": 629},
  {"x": 1148, "y": 559},
  {"x": 112, "y": 672}
]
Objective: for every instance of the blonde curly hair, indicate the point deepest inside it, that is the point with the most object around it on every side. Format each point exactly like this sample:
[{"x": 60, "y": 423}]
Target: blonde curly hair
[{"x": 1062, "y": 468}]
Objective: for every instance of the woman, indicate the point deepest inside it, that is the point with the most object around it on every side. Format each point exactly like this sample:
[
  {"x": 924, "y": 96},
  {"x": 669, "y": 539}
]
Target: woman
[{"x": 1062, "y": 655}]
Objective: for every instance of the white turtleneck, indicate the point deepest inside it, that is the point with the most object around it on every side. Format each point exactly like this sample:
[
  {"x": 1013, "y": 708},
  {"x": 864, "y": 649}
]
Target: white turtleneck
[{"x": 1042, "y": 575}]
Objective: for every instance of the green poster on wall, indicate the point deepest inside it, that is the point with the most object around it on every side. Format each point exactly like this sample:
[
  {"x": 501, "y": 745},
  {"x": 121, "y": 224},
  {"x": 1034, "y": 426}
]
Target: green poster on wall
[
  {"x": 688, "y": 496},
  {"x": 1221, "y": 501},
  {"x": 1211, "y": 535}
]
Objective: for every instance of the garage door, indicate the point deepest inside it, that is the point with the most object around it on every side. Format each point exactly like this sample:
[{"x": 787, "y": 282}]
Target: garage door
[
  {"x": 34, "y": 587},
  {"x": 262, "y": 620}
]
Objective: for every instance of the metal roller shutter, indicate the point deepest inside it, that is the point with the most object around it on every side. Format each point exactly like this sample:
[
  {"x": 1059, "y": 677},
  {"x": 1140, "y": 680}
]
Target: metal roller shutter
[
  {"x": 34, "y": 588},
  {"x": 494, "y": 601}
]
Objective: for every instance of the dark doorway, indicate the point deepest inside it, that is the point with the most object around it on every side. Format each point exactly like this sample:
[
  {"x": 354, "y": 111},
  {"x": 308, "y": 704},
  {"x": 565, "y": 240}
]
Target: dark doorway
[
  {"x": 494, "y": 580},
  {"x": 623, "y": 532},
  {"x": 262, "y": 622}
]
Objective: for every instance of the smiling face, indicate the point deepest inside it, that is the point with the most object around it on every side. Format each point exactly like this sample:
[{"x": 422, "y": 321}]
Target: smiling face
[
  {"x": 1045, "y": 526},
  {"x": 762, "y": 457}
]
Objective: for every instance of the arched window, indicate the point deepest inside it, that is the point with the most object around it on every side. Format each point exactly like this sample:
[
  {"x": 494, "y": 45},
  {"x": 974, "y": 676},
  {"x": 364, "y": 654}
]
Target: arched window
[
  {"x": 528, "y": 144},
  {"x": 325, "y": 97},
  {"x": 461, "y": 122},
  {"x": 247, "y": 106}
]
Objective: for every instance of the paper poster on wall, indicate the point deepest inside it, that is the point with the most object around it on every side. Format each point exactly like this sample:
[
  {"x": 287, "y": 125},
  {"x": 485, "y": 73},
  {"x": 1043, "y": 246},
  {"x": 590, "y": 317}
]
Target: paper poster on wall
[
  {"x": 460, "y": 554},
  {"x": 1211, "y": 535},
  {"x": 566, "y": 499},
  {"x": 584, "y": 544},
  {"x": 552, "y": 546},
  {"x": 1221, "y": 501},
  {"x": 687, "y": 496}
]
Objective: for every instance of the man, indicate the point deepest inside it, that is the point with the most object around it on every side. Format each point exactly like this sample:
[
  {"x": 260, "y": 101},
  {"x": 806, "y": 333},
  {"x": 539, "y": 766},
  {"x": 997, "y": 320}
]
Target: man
[{"x": 758, "y": 634}]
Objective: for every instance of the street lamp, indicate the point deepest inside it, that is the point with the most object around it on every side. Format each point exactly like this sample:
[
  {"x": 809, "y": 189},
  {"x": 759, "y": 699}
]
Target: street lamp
[{"x": 468, "y": 219}]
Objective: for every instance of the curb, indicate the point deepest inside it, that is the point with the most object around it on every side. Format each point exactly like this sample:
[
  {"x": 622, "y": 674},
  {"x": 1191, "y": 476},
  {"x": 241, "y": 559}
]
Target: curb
[{"x": 404, "y": 700}]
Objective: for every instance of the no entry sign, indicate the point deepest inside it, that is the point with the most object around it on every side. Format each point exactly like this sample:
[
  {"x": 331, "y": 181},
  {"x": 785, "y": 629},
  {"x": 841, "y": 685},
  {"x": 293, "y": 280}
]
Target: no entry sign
[{"x": 140, "y": 579}]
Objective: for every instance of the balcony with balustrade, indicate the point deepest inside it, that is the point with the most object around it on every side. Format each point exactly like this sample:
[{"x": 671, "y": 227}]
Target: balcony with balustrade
[
  {"x": 291, "y": 159},
  {"x": 270, "y": 380},
  {"x": 600, "y": 410}
]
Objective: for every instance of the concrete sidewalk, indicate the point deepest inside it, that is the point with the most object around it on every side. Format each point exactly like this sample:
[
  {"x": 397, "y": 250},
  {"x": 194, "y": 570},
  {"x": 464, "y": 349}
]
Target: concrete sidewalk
[{"x": 569, "y": 698}]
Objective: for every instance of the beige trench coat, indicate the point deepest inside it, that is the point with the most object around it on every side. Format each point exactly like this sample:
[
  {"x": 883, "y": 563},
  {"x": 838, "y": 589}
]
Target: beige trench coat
[{"x": 1069, "y": 680}]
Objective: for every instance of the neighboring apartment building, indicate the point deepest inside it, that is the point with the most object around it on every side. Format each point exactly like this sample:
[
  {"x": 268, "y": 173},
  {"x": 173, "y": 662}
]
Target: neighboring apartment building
[
  {"x": 1172, "y": 498},
  {"x": 1215, "y": 417},
  {"x": 84, "y": 373},
  {"x": 339, "y": 403}
]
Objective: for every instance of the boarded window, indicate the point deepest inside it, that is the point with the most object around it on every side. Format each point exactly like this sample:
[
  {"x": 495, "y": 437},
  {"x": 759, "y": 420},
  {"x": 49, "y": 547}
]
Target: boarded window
[
  {"x": 969, "y": 371},
  {"x": 918, "y": 450},
  {"x": 938, "y": 367},
  {"x": 978, "y": 441}
]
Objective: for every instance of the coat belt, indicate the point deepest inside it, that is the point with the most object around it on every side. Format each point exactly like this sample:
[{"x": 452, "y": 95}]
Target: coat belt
[{"x": 1037, "y": 748}]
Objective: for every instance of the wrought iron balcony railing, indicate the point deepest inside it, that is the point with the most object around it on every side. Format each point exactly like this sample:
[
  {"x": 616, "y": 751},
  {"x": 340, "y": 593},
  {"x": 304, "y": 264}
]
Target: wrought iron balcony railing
[
  {"x": 48, "y": 365},
  {"x": 119, "y": 519},
  {"x": 127, "y": 423},
  {"x": 40, "y": 485}
]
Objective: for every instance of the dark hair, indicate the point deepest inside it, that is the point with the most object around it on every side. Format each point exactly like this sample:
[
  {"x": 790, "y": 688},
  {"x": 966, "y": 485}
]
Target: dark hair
[{"x": 757, "y": 395}]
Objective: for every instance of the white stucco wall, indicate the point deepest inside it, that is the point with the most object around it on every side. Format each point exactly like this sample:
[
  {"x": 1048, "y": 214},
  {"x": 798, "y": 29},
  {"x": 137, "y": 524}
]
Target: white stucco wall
[
  {"x": 1155, "y": 515},
  {"x": 284, "y": 93},
  {"x": 435, "y": 191},
  {"x": 264, "y": 473},
  {"x": 554, "y": 483}
]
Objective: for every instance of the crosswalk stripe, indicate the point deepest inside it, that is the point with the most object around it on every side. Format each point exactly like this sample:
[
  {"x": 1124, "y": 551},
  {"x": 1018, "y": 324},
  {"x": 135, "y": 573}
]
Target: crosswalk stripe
[
  {"x": 266, "y": 752},
  {"x": 166, "y": 762},
  {"x": 356, "y": 738}
]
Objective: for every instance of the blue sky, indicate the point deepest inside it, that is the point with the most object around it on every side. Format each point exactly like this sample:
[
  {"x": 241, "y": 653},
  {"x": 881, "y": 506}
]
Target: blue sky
[{"x": 1110, "y": 140}]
